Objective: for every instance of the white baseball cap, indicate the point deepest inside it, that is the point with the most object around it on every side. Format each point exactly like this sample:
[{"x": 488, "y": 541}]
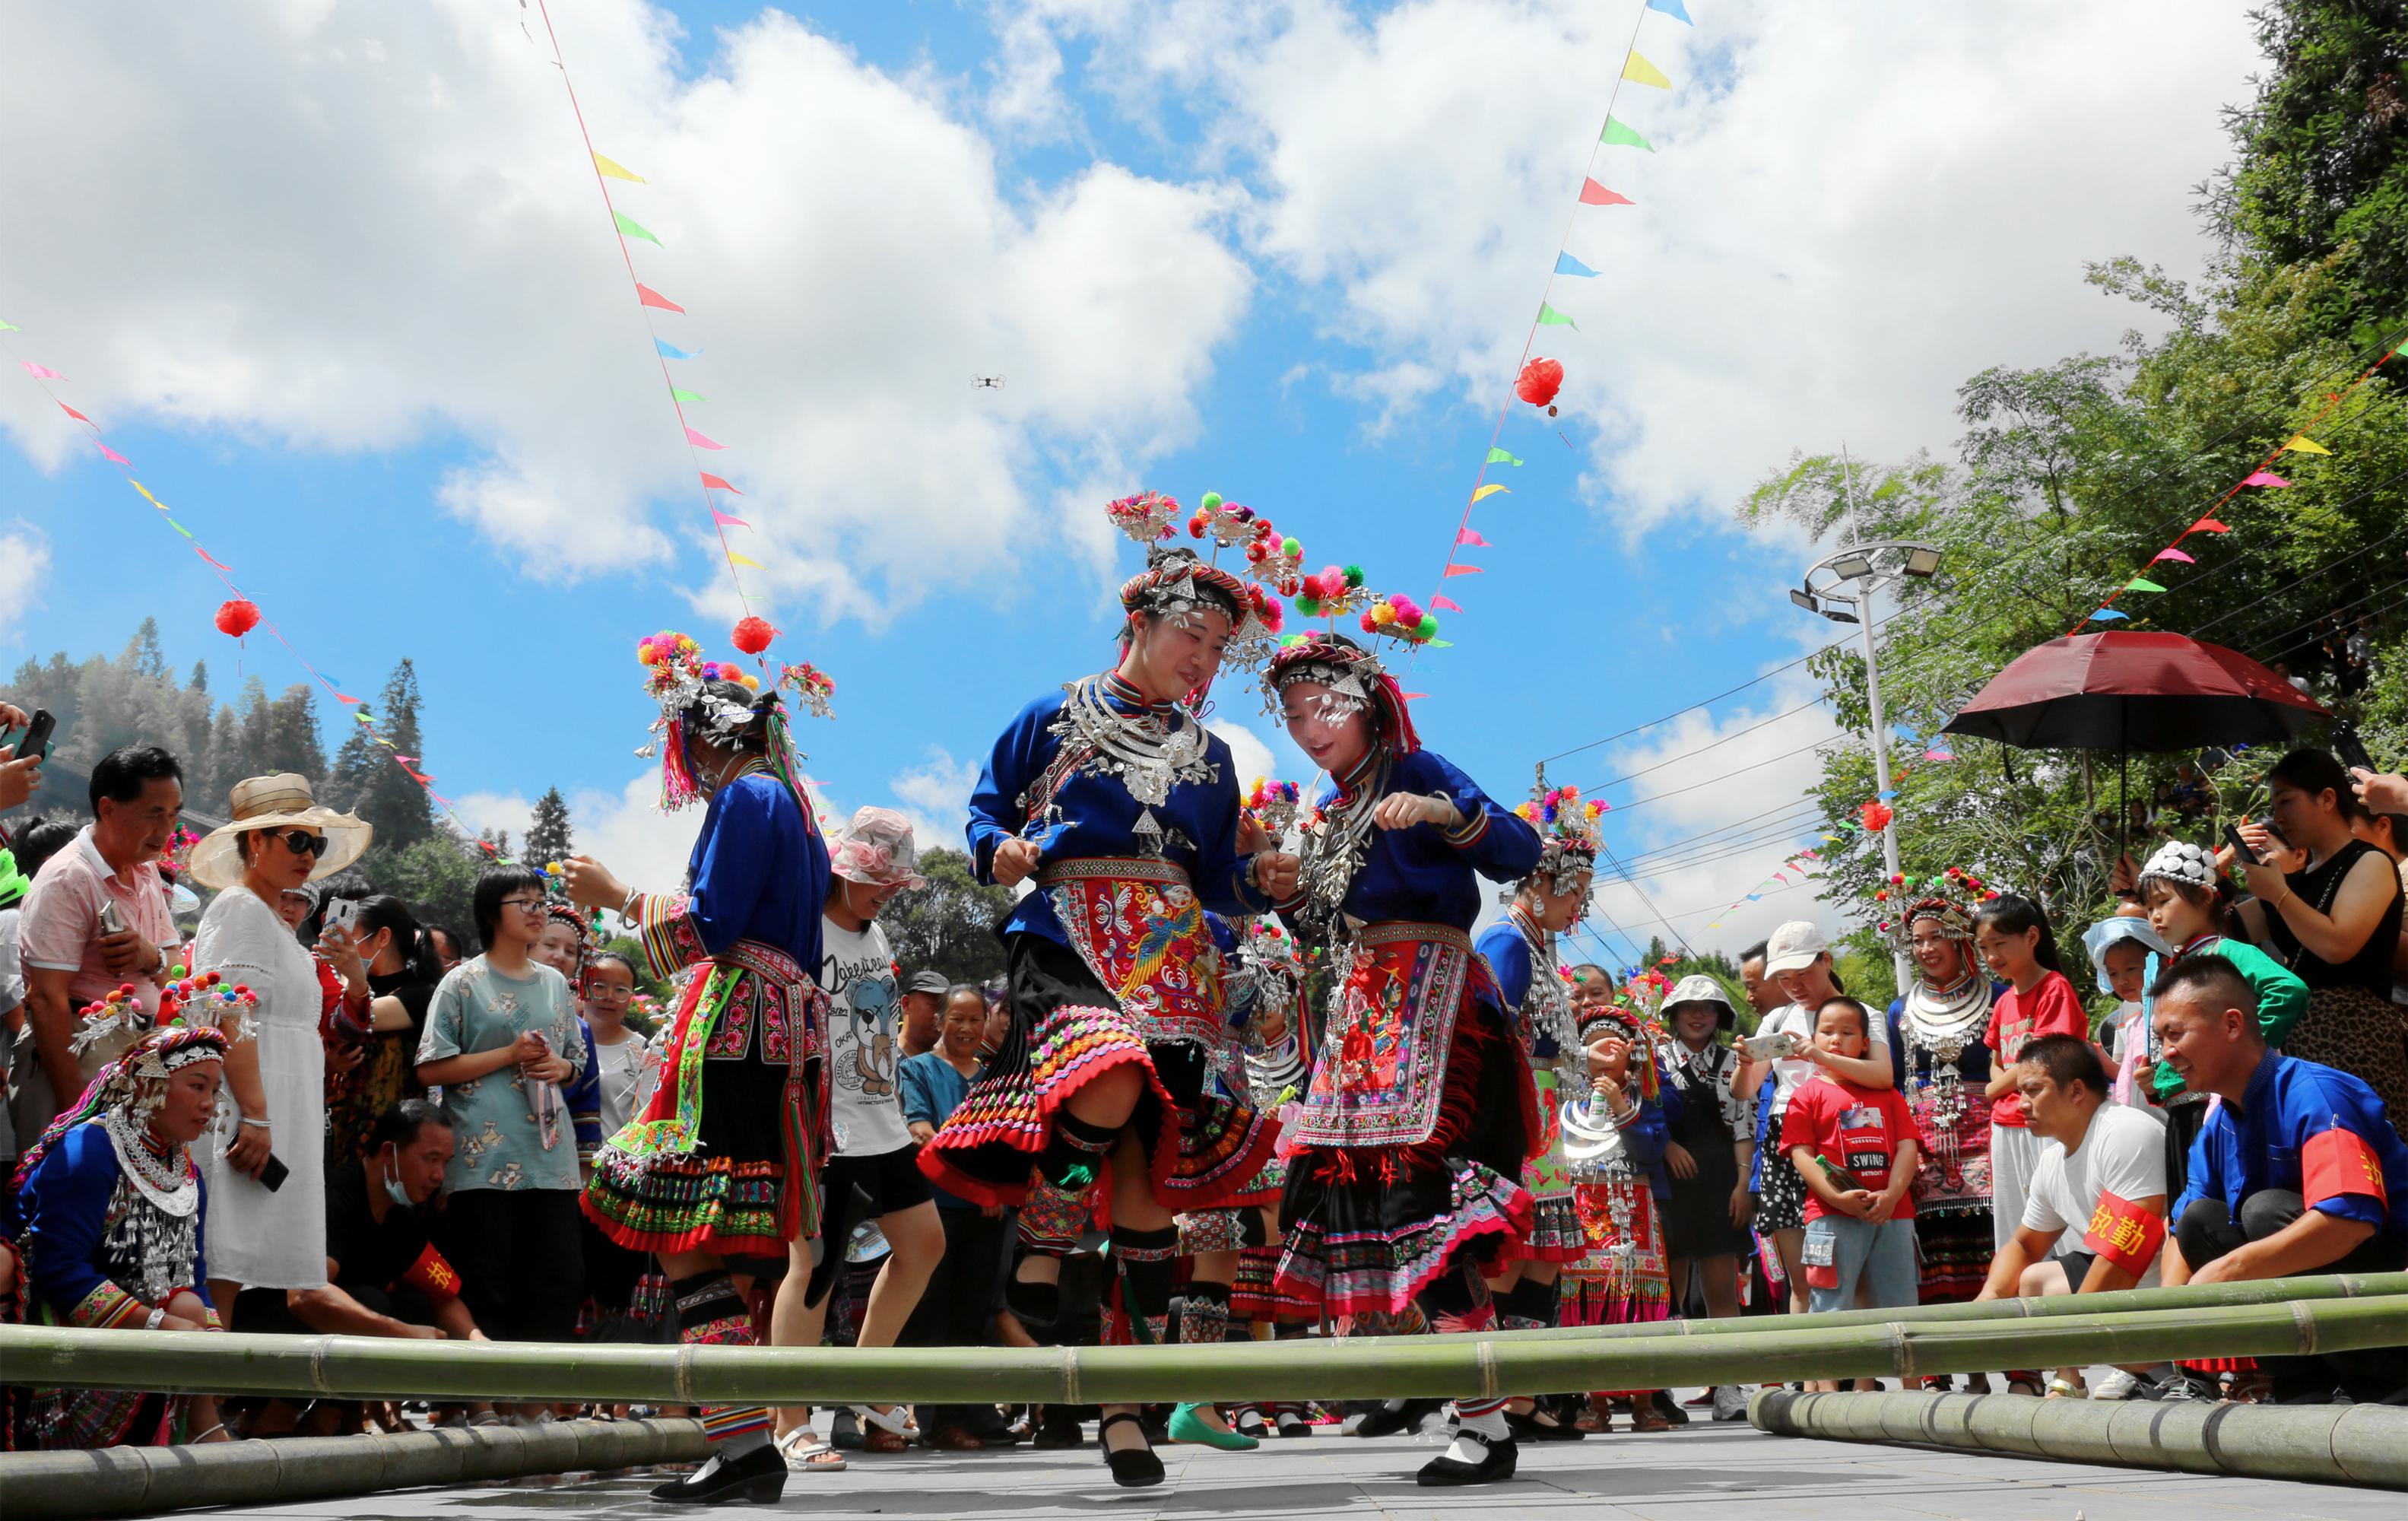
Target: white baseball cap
[{"x": 1793, "y": 947}]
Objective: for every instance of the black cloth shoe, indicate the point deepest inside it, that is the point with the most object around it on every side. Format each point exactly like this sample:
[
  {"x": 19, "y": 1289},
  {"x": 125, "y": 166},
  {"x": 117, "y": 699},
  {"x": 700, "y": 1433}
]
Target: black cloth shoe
[
  {"x": 1496, "y": 1463},
  {"x": 1058, "y": 1430},
  {"x": 756, "y": 1478},
  {"x": 1530, "y": 1428},
  {"x": 1396, "y": 1415},
  {"x": 1133, "y": 1468}
]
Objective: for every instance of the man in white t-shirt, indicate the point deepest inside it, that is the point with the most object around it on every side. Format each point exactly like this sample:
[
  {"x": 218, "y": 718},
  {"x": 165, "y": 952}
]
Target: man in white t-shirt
[{"x": 875, "y": 1174}]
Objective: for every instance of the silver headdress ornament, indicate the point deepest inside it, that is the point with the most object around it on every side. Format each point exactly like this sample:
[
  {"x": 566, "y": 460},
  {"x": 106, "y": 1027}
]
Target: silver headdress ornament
[{"x": 1348, "y": 688}]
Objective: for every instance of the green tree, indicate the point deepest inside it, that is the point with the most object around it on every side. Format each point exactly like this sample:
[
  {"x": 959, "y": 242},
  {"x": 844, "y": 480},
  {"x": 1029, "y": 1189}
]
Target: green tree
[
  {"x": 949, "y": 924},
  {"x": 547, "y": 837},
  {"x": 368, "y": 781},
  {"x": 437, "y": 876}
]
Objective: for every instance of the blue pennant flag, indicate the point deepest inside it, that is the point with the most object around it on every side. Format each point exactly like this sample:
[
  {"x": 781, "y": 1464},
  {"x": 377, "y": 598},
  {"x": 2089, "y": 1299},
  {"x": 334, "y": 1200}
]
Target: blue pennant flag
[
  {"x": 1673, "y": 8},
  {"x": 670, "y": 351},
  {"x": 2106, "y": 615},
  {"x": 1566, "y": 265}
]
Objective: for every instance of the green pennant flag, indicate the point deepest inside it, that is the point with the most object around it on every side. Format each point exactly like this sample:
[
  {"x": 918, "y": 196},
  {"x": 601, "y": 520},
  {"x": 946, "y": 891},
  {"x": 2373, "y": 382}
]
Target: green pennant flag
[
  {"x": 2139, "y": 583},
  {"x": 633, "y": 228},
  {"x": 1500, "y": 456},
  {"x": 180, "y": 528},
  {"x": 683, "y": 394},
  {"x": 1550, "y": 317},
  {"x": 10, "y": 327},
  {"x": 1618, "y": 135}
]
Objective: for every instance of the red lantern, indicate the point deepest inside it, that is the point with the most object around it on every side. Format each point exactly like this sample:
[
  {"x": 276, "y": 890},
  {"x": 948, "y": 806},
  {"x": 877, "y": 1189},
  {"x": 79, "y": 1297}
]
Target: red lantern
[
  {"x": 237, "y": 616},
  {"x": 753, "y": 635},
  {"x": 1539, "y": 382},
  {"x": 1876, "y": 816}
]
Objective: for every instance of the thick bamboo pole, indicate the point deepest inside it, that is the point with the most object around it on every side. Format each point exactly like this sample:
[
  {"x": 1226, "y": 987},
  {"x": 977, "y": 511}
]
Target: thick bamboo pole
[
  {"x": 2361, "y": 1445},
  {"x": 2189, "y": 1296},
  {"x": 358, "y": 1367}
]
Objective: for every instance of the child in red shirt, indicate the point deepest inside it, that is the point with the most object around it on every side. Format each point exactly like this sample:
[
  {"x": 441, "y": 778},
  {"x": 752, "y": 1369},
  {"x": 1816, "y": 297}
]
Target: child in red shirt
[
  {"x": 2012, "y": 935},
  {"x": 1855, "y": 1148}
]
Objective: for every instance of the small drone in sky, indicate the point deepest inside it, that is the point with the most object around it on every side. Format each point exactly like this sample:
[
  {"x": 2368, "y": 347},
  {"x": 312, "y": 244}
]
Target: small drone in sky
[{"x": 986, "y": 382}]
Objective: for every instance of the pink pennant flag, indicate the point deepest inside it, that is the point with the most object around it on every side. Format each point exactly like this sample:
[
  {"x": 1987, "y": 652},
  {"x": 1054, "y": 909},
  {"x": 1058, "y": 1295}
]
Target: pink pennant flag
[
  {"x": 1593, "y": 193},
  {"x": 113, "y": 453},
  {"x": 2265, "y": 477},
  {"x": 647, "y": 296},
  {"x": 702, "y": 442},
  {"x": 77, "y": 415},
  {"x": 345, "y": 697},
  {"x": 1939, "y": 754},
  {"x": 40, "y": 372},
  {"x": 1460, "y": 570},
  {"x": 727, "y": 522},
  {"x": 713, "y": 482},
  {"x": 214, "y": 559},
  {"x": 2174, "y": 554},
  {"x": 1471, "y": 535},
  {"x": 1445, "y": 603},
  {"x": 2208, "y": 525}
]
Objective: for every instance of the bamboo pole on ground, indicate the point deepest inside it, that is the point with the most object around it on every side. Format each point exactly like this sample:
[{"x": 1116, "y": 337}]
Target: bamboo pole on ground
[
  {"x": 2358, "y": 1445},
  {"x": 358, "y": 1367}
]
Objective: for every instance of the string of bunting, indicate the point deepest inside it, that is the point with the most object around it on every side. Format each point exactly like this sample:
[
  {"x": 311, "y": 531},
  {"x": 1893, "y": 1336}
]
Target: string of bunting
[
  {"x": 2261, "y": 477},
  {"x": 1538, "y": 381},
  {"x": 240, "y": 613},
  {"x": 649, "y": 301}
]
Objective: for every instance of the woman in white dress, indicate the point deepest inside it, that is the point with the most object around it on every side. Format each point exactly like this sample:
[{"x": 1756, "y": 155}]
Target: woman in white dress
[{"x": 266, "y": 1170}]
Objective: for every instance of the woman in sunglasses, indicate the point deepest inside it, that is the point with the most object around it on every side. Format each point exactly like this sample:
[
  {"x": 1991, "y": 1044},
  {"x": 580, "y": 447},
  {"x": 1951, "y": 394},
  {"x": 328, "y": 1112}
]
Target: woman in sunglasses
[{"x": 265, "y": 1173}]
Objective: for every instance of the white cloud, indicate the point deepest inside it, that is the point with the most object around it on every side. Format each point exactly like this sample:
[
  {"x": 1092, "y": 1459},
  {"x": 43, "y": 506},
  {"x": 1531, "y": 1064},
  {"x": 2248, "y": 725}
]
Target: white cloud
[
  {"x": 24, "y": 565},
  {"x": 625, "y": 830},
  {"x": 342, "y": 226},
  {"x": 1852, "y": 209},
  {"x": 936, "y": 797},
  {"x": 1252, "y": 757}
]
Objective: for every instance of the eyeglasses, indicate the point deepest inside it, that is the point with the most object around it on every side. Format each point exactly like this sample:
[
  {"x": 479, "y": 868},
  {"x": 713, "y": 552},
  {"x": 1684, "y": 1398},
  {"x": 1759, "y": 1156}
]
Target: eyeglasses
[
  {"x": 525, "y": 905},
  {"x": 302, "y": 842}
]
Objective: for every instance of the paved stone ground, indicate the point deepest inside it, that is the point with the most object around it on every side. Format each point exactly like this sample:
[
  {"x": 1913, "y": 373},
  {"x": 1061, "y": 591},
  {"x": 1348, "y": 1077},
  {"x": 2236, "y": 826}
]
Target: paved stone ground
[{"x": 1701, "y": 1473}]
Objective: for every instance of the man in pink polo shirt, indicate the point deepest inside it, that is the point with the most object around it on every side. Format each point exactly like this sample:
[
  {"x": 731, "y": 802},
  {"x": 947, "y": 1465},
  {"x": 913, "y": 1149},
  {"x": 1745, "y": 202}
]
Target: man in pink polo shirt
[{"x": 69, "y": 957}]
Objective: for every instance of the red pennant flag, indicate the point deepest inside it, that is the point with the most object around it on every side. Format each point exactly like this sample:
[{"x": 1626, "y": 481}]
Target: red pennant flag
[
  {"x": 2207, "y": 526},
  {"x": 1593, "y": 193},
  {"x": 214, "y": 559},
  {"x": 647, "y": 296},
  {"x": 724, "y": 520},
  {"x": 2264, "y": 478},
  {"x": 713, "y": 482},
  {"x": 1471, "y": 535},
  {"x": 1446, "y": 604},
  {"x": 77, "y": 415},
  {"x": 344, "y": 697},
  {"x": 1460, "y": 570}
]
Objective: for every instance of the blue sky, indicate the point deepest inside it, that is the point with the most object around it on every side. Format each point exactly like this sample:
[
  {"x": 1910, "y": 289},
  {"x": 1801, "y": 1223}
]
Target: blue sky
[{"x": 342, "y": 291}]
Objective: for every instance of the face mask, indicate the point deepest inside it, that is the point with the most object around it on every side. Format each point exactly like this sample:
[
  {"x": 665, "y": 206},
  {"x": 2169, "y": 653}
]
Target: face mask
[{"x": 395, "y": 1192}]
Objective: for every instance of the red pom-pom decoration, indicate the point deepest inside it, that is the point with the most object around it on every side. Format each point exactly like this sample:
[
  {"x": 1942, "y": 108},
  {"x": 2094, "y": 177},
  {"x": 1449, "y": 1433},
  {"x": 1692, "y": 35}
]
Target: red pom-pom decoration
[
  {"x": 753, "y": 635},
  {"x": 1876, "y": 816},
  {"x": 1539, "y": 382},
  {"x": 237, "y": 616}
]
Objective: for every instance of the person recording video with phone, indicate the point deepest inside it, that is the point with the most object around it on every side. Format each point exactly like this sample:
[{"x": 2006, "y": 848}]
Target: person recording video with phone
[
  {"x": 21, "y": 764},
  {"x": 267, "y": 1180}
]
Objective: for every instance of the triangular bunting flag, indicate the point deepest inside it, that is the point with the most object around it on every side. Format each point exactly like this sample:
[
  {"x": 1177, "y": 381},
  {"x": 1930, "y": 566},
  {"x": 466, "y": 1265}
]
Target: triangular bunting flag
[
  {"x": 214, "y": 559},
  {"x": 2302, "y": 444},
  {"x": 10, "y": 327},
  {"x": 1638, "y": 71},
  {"x": 1471, "y": 537},
  {"x": 2106, "y": 615},
  {"x": 180, "y": 528},
  {"x": 2264, "y": 478},
  {"x": 2140, "y": 583},
  {"x": 1593, "y": 193},
  {"x": 630, "y": 227},
  {"x": 714, "y": 482},
  {"x": 727, "y": 522},
  {"x": 1939, "y": 754},
  {"x": 1444, "y": 604},
  {"x": 681, "y": 393},
  {"x": 2175, "y": 555},
  {"x": 1673, "y": 8},
  {"x": 1502, "y": 456},
  {"x": 2207, "y": 526},
  {"x": 1550, "y": 317},
  {"x": 1454, "y": 570},
  {"x": 738, "y": 559},
  {"x": 147, "y": 496},
  {"x": 1488, "y": 491},
  {"x": 647, "y": 296},
  {"x": 113, "y": 453},
  {"x": 77, "y": 415},
  {"x": 40, "y": 372},
  {"x": 702, "y": 441},
  {"x": 1566, "y": 265},
  {"x": 618, "y": 171},
  {"x": 345, "y": 697},
  {"x": 1618, "y": 135},
  {"x": 670, "y": 351}
]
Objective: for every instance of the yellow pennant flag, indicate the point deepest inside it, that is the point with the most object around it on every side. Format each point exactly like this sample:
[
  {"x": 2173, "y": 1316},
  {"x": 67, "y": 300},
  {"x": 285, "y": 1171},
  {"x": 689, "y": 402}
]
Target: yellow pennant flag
[
  {"x": 1638, "y": 71},
  {"x": 618, "y": 171},
  {"x": 1486, "y": 492},
  {"x": 2302, "y": 444},
  {"x": 738, "y": 559},
  {"x": 147, "y": 496}
]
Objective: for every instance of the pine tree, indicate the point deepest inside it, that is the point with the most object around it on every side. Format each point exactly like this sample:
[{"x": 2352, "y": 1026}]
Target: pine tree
[
  {"x": 366, "y": 780},
  {"x": 547, "y": 837},
  {"x": 293, "y": 743}
]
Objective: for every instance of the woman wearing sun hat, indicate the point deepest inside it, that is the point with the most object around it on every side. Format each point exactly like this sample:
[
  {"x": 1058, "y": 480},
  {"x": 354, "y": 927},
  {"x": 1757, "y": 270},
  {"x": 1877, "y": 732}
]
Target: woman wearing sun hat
[{"x": 279, "y": 839}]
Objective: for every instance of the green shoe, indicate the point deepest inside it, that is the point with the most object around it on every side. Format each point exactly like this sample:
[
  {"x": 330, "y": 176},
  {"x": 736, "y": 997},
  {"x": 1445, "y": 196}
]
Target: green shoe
[{"x": 1186, "y": 1425}]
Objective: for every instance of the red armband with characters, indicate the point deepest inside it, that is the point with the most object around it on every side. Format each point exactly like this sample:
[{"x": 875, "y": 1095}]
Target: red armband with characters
[
  {"x": 2338, "y": 1162},
  {"x": 432, "y": 1277},
  {"x": 2125, "y": 1234}
]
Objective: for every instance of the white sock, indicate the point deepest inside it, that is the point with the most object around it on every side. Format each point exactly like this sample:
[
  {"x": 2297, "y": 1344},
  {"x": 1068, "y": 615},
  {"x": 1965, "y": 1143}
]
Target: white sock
[{"x": 1492, "y": 1424}]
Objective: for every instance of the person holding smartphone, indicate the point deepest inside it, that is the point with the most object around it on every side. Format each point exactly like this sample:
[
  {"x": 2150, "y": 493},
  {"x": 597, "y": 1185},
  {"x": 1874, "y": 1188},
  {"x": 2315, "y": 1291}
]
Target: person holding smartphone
[
  {"x": 266, "y": 1174},
  {"x": 21, "y": 762}
]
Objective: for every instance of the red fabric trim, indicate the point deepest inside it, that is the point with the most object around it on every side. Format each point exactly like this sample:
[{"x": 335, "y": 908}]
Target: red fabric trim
[{"x": 2124, "y": 1233}]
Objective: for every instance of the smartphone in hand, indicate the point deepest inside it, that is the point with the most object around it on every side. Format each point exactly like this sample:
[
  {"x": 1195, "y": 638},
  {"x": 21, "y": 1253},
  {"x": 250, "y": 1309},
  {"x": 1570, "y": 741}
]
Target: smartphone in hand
[
  {"x": 272, "y": 1176},
  {"x": 2239, "y": 846},
  {"x": 36, "y": 737},
  {"x": 2350, "y": 748}
]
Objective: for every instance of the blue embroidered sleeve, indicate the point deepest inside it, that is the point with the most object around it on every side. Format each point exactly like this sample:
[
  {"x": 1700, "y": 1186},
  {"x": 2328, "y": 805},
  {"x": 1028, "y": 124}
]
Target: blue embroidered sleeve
[{"x": 1017, "y": 760}]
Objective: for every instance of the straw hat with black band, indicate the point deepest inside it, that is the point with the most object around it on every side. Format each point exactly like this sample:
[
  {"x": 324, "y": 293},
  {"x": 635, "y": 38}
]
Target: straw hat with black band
[{"x": 284, "y": 801}]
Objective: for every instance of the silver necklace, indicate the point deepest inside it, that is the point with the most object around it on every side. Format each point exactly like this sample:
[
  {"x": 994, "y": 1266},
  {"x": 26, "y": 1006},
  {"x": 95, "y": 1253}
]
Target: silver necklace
[
  {"x": 1549, "y": 1012},
  {"x": 1149, "y": 753},
  {"x": 170, "y": 1182},
  {"x": 1334, "y": 848}
]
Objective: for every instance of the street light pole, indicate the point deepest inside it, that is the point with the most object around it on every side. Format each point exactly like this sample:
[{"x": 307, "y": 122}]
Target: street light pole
[{"x": 1865, "y": 607}]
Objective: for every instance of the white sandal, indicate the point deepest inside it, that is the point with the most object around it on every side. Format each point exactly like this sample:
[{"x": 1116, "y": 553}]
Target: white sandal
[
  {"x": 896, "y": 1419},
  {"x": 805, "y": 1453}
]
